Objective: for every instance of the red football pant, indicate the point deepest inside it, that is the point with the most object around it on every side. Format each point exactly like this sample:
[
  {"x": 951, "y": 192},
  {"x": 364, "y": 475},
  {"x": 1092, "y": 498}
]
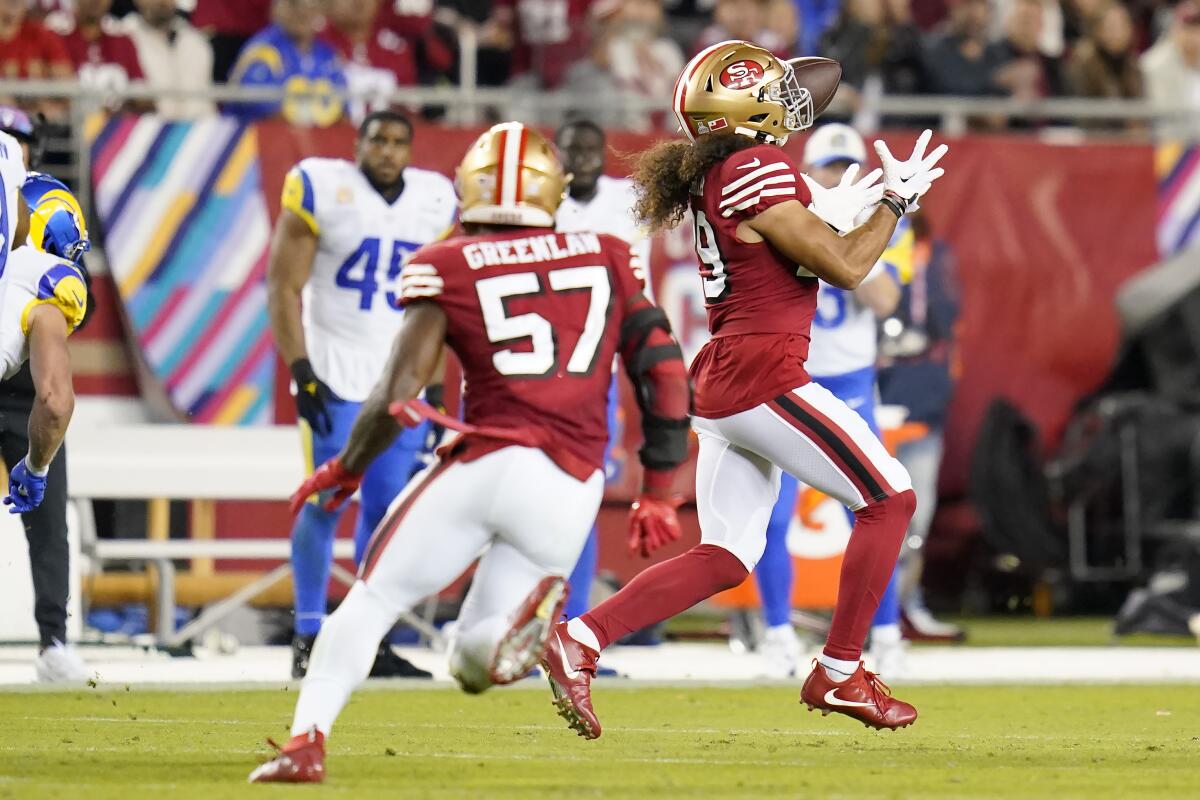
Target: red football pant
[
  {"x": 664, "y": 590},
  {"x": 867, "y": 567}
]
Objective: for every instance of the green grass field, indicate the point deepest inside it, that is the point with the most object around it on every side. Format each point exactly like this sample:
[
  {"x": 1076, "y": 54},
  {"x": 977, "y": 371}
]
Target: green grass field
[{"x": 1012, "y": 742}]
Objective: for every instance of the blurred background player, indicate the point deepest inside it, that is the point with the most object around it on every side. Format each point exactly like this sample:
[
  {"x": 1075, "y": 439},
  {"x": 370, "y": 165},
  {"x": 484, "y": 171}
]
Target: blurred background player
[
  {"x": 535, "y": 318},
  {"x": 841, "y": 357},
  {"x": 56, "y": 227},
  {"x": 917, "y": 371},
  {"x": 597, "y": 203},
  {"x": 344, "y": 232},
  {"x": 761, "y": 251}
]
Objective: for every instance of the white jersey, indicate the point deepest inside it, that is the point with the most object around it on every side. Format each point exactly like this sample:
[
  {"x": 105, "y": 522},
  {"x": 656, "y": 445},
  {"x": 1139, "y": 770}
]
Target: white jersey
[
  {"x": 32, "y": 278},
  {"x": 12, "y": 175},
  {"x": 844, "y": 331},
  {"x": 611, "y": 212},
  {"x": 351, "y": 302}
]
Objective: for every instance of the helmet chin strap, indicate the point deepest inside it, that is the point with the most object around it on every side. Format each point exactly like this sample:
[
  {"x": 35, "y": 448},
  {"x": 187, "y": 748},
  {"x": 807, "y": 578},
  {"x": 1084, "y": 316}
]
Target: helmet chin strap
[{"x": 762, "y": 136}]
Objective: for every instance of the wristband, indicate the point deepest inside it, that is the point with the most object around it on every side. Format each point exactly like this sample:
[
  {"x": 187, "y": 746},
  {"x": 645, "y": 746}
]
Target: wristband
[
  {"x": 34, "y": 472},
  {"x": 895, "y": 203},
  {"x": 302, "y": 371}
]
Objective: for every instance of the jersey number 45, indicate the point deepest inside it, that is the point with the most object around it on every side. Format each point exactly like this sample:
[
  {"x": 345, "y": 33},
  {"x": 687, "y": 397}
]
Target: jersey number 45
[{"x": 366, "y": 282}]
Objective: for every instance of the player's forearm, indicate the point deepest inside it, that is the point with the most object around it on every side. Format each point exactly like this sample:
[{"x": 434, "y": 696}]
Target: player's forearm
[
  {"x": 865, "y": 244},
  {"x": 373, "y": 432},
  {"x": 283, "y": 310},
  {"x": 48, "y": 421}
]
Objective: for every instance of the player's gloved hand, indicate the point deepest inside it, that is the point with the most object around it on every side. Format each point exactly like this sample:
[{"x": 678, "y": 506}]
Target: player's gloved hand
[
  {"x": 26, "y": 488},
  {"x": 312, "y": 397},
  {"x": 653, "y": 522},
  {"x": 329, "y": 476},
  {"x": 908, "y": 180},
  {"x": 840, "y": 206}
]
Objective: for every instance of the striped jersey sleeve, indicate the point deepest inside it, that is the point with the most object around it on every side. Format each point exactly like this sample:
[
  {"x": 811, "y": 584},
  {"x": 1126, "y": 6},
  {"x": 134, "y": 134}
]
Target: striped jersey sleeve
[
  {"x": 420, "y": 281},
  {"x": 753, "y": 180}
]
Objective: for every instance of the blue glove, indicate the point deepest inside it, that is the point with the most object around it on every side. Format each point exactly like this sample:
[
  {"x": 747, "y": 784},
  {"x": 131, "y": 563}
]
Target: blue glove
[{"x": 25, "y": 489}]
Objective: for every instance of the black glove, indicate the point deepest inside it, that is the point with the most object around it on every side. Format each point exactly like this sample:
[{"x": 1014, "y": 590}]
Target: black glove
[
  {"x": 435, "y": 396},
  {"x": 312, "y": 397}
]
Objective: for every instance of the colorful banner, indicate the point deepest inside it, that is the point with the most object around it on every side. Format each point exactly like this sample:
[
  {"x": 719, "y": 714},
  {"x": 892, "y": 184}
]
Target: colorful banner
[
  {"x": 1178, "y": 170},
  {"x": 186, "y": 232}
]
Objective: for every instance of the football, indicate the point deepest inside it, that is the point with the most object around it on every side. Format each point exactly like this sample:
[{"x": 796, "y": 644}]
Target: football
[{"x": 820, "y": 76}]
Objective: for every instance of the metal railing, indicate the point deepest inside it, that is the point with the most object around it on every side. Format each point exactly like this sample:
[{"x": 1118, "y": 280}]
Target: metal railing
[{"x": 469, "y": 104}]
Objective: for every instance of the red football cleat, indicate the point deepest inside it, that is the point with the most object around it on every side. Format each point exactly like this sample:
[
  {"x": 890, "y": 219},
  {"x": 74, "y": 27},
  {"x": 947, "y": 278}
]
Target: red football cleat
[
  {"x": 862, "y": 696},
  {"x": 301, "y": 760},
  {"x": 521, "y": 648},
  {"x": 570, "y": 667}
]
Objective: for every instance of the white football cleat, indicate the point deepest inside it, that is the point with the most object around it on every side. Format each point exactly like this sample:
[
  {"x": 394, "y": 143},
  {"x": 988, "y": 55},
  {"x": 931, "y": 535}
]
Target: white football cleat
[
  {"x": 889, "y": 659},
  {"x": 59, "y": 663},
  {"x": 781, "y": 651}
]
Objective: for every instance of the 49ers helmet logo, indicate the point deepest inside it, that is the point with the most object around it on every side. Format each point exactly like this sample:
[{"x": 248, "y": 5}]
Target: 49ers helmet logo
[{"x": 741, "y": 74}]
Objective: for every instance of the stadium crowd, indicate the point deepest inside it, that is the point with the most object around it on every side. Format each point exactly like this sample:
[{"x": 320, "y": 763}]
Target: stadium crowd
[{"x": 1020, "y": 49}]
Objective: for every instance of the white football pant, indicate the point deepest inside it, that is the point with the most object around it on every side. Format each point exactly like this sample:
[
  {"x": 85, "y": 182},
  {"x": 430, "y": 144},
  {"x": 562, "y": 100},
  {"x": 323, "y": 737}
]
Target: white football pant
[
  {"x": 808, "y": 432},
  {"x": 514, "y": 509}
]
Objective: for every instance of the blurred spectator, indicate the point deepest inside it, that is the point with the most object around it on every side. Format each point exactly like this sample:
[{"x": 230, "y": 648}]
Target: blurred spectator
[
  {"x": 961, "y": 61},
  {"x": 782, "y": 24},
  {"x": 815, "y": 18},
  {"x": 288, "y": 54},
  {"x": 1050, "y": 40},
  {"x": 229, "y": 24},
  {"x": 1171, "y": 69},
  {"x": 174, "y": 57},
  {"x": 414, "y": 20},
  {"x": 929, "y": 14},
  {"x": 375, "y": 59},
  {"x": 1105, "y": 63},
  {"x": 741, "y": 19},
  {"x": 29, "y": 50},
  {"x": 1027, "y": 73},
  {"x": 879, "y": 49},
  {"x": 544, "y": 37},
  {"x": 918, "y": 367},
  {"x": 101, "y": 52},
  {"x": 629, "y": 54}
]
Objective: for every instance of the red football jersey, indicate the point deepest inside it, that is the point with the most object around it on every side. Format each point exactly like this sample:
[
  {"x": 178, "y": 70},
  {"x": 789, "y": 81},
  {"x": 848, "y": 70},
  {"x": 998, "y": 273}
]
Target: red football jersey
[
  {"x": 534, "y": 317},
  {"x": 760, "y": 305}
]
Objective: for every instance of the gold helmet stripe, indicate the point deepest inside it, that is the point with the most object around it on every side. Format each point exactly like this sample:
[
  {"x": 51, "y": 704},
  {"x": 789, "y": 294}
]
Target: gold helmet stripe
[{"x": 681, "y": 87}]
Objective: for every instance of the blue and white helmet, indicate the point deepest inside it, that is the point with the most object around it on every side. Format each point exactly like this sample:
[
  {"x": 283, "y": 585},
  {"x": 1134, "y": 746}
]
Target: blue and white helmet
[{"x": 56, "y": 222}]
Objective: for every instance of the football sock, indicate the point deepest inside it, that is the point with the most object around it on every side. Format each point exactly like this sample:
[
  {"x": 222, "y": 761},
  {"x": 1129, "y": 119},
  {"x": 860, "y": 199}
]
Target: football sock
[
  {"x": 664, "y": 590},
  {"x": 582, "y": 577},
  {"x": 867, "y": 567},
  {"x": 837, "y": 669},
  {"x": 774, "y": 570},
  {"x": 341, "y": 659},
  {"x": 580, "y": 632},
  {"x": 312, "y": 555}
]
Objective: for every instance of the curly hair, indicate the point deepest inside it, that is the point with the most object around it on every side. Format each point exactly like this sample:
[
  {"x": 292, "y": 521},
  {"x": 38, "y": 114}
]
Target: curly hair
[{"x": 666, "y": 173}]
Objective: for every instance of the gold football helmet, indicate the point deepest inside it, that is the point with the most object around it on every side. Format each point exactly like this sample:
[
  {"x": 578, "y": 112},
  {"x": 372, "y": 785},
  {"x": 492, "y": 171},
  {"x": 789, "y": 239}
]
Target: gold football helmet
[
  {"x": 511, "y": 176},
  {"x": 740, "y": 87}
]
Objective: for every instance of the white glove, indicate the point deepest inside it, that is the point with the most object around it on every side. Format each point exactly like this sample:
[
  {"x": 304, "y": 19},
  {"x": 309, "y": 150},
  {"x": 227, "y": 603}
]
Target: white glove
[
  {"x": 912, "y": 178},
  {"x": 840, "y": 206}
]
